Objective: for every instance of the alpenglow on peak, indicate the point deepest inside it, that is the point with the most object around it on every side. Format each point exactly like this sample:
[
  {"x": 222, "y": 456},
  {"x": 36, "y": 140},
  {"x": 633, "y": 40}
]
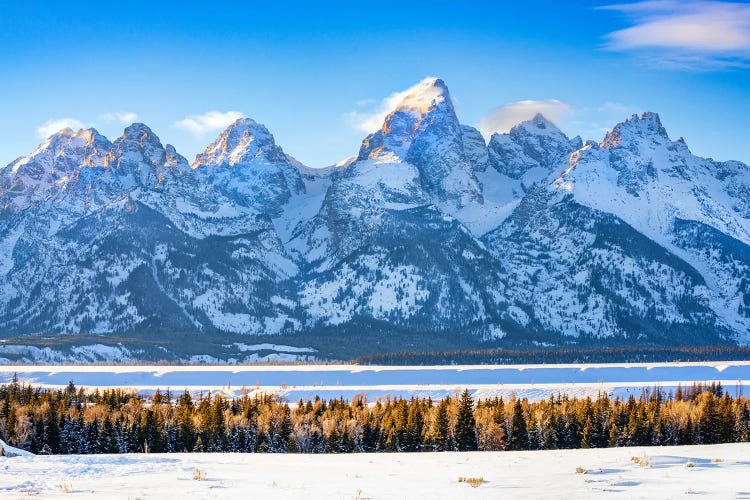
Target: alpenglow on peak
[
  {"x": 424, "y": 96},
  {"x": 420, "y": 107}
]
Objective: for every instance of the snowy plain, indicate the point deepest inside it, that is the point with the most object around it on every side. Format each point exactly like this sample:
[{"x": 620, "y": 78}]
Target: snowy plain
[
  {"x": 716, "y": 471},
  {"x": 295, "y": 382}
]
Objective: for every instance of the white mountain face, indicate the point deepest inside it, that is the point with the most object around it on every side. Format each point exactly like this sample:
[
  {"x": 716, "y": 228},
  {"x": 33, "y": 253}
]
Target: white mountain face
[
  {"x": 531, "y": 150},
  {"x": 59, "y": 164},
  {"x": 144, "y": 241},
  {"x": 694, "y": 207},
  {"x": 424, "y": 131},
  {"x": 510, "y": 165},
  {"x": 533, "y": 237},
  {"x": 247, "y": 166}
]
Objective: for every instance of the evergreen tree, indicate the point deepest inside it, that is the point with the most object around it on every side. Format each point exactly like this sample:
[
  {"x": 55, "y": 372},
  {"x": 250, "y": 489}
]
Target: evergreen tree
[
  {"x": 107, "y": 442},
  {"x": 519, "y": 434},
  {"x": 51, "y": 432},
  {"x": 186, "y": 436},
  {"x": 283, "y": 437},
  {"x": 464, "y": 433},
  {"x": 587, "y": 436},
  {"x": 440, "y": 428},
  {"x": 708, "y": 424},
  {"x": 11, "y": 420},
  {"x": 151, "y": 433},
  {"x": 415, "y": 425}
]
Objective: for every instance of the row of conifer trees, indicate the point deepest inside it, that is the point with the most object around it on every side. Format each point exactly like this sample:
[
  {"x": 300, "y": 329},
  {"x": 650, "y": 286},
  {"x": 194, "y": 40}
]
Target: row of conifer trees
[
  {"x": 547, "y": 355},
  {"x": 117, "y": 421}
]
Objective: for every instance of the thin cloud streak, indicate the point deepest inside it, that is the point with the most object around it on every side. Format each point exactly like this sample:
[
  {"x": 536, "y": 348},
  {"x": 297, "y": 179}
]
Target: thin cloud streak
[
  {"x": 210, "y": 121},
  {"x": 371, "y": 113},
  {"x": 125, "y": 117},
  {"x": 55, "y": 125},
  {"x": 685, "y": 35}
]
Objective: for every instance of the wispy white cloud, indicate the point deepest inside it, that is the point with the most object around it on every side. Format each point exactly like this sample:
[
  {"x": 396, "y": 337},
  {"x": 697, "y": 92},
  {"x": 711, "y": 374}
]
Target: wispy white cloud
[
  {"x": 210, "y": 121},
  {"x": 370, "y": 113},
  {"x": 589, "y": 121},
  {"x": 126, "y": 117},
  {"x": 502, "y": 119},
  {"x": 55, "y": 125},
  {"x": 696, "y": 34},
  {"x": 365, "y": 102}
]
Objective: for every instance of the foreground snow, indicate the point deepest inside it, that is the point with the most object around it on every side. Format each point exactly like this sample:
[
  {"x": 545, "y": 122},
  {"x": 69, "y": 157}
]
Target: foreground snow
[
  {"x": 295, "y": 382},
  {"x": 7, "y": 450},
  {"x": 718, "y": 471}
]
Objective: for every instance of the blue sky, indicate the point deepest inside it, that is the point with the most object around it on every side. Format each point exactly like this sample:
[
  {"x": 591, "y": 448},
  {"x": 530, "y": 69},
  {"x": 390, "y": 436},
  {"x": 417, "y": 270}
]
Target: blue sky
[{"x": 318, "y": 75}]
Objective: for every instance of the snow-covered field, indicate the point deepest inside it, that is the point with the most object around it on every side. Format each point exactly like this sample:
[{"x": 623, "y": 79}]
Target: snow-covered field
[
  {"x": 296, "y": 382},
  {"x": 717, "y": 471}
]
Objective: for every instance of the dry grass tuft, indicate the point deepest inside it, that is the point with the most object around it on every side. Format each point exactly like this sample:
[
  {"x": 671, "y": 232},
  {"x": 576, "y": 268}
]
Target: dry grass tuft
[
  {"x": 199, "y": 475},
  {"x": 642, "y": 461},
  {"x": 65, "y": 487},
  {"x": 581, "y": 470},
  {"x": 717, "y": 460},
  {"x": 474, "y": 482}
]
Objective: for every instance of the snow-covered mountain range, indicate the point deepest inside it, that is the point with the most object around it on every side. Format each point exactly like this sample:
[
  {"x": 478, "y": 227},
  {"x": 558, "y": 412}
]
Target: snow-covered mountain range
[{"x": 534, "y": 237}]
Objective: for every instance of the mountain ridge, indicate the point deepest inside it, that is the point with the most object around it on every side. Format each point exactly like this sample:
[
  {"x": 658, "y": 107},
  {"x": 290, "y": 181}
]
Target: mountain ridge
[{"x": 529, "y": 237}]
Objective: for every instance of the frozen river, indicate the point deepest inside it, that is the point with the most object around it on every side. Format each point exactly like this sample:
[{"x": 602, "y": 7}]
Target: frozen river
[{"x": 331, "y": 381}]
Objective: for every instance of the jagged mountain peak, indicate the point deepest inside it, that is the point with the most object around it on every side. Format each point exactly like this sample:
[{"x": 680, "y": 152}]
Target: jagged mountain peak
[
  {"x": 423, "y": 130},
  {"x": 67, "y": 137},
  {"x": 138, "y": 142},
  {"x": 247, "y": 127},
  {"x": 175, "y": 160},
  {"x": 139, "y": 158},
  {"x": 539, "y": 126},
  {"x": 635, "y": 127},
  {"x": 52, "y": 167},
  {"x": 67, "y": 133},
  {"x": 62, "y": 152},
  {"x": 139, "y": 131},
  {"x": 538, "y": 123},
  {"x": 648, "y": 119},
  {"x": 63, "y": 132},
  {"x": 427, "y": 95},
  {"x": 243, "y": 141},
  {"x": 658, "y": 181},
  {"x": 138, "y": 137},
  {"x": 426, "y": 105},
  {"x": 245, "y": 165},
  {"x": 91, "y": 135},
  {"x": 532, "y": 143}
]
